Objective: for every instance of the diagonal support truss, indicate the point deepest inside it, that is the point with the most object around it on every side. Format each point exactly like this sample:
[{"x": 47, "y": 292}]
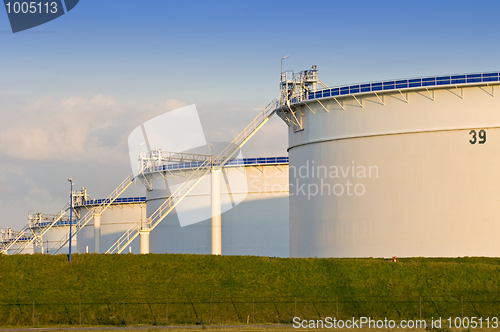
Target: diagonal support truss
[
  {"x": 360, "y": 102},
  {"x": 459, "y": 89},
  {"x": 289, "y": 115},
  {"x": 339, "y": 103},
  {"x": 312, "y": 111},
  {"x": 380, "y": 98},
  {"x": 326, "y": 109},
  {"x": 430, "y": 94},
  {"x": 491, "y": 93}
]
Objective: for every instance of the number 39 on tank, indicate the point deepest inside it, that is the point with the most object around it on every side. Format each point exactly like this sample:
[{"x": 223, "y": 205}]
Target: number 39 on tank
[{"x": 477, "y": 137}]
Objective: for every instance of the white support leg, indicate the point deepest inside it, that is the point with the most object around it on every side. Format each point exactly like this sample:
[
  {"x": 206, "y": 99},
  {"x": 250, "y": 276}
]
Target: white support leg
[
  {"x": 216, "y": 211},
  {"x": 97, "y": 233},
  {"x": 144, "y": 237}
]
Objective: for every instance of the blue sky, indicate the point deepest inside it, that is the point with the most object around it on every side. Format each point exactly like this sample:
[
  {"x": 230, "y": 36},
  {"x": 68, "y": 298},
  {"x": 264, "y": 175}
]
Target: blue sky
[
  {"x": 147, "y": 50},
  {"x": 108, "y": 65}
]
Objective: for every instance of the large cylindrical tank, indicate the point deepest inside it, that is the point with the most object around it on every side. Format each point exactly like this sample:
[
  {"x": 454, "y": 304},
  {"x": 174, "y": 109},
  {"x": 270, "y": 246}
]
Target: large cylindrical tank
[
  {"x": 254, "y": 210},
  {"x": 397, "y": 169}
]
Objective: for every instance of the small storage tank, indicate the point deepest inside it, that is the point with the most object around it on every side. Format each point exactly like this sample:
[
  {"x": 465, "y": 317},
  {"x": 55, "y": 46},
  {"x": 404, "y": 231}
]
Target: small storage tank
[
  {"x": 7, "y": 235},
  {"x": 32, "y": 241},
  {"x": 51, "y": 237},
  {"x": 254, "y": 209},
  {"x": 115, "y": 220}
]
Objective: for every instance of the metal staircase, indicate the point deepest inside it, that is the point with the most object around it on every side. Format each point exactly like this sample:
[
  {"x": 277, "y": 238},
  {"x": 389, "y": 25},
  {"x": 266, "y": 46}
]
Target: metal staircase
[
  {"x": 214, "y": 163},
  {"x": 97, "y": 210},
  {"x": 245, "y": 135}
]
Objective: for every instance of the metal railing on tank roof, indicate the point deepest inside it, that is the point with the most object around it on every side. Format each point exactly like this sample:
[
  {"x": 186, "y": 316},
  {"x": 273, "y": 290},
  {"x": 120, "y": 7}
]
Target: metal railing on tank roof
[
  {"x": 423, "y": 82},
  {"x": 234, "y": 162},
  {"x": 59, "y": 223},
  {"x": 118, "y": 200},
  {"x": 21, "y": 239}
]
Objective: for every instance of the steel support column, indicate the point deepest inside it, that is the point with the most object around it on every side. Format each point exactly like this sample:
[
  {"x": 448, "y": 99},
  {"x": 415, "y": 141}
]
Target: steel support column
[
  {"x": 216, "y": 213},
  {"x": 144, "y": 237},
  {"x": 97, "y": 233}
]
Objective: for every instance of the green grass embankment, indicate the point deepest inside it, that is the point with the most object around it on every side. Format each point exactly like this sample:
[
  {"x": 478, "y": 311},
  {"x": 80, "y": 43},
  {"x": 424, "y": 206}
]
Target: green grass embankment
[{"x": 159, "y": 289}]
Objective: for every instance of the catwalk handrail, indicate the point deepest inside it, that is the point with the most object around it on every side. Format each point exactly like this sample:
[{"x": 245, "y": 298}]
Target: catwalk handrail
[
  {"x": 159, "y": 156},
  {"x": 181, "y": 192},
  {"x": 99, "y": 201},
  {"x": 422, "y": 82},
  {"x": 82, "y": 222},
  {"x": 237, "y": 162},
  {"x": 36, "y": 221}
]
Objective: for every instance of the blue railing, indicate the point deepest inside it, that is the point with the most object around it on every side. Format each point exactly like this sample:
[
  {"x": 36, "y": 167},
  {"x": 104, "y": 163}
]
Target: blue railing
[
  {"x": 404, "y": 84},
  {"x": 21, "y": 239},
  {"x": 118, "y": 200},
  {"x": 234, "y": 162},
  {"x": 59, "y": 223}
]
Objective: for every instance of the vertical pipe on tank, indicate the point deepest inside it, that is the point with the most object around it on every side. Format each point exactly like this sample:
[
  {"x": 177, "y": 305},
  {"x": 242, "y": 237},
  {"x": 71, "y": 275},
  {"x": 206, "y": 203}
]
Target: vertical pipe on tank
[
  {"x": 97, "y": 233},
  {"x": 144, "y": 237},
  {"x": 216, "y": 211}
]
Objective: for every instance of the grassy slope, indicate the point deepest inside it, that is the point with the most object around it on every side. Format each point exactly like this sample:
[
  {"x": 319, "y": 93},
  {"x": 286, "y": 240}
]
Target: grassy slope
[{"x": 26, "y": 277}]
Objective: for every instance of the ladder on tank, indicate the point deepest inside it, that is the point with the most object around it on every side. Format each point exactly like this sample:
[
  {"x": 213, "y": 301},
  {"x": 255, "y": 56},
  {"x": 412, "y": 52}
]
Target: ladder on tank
[
  {"x": 42, "y": 233},
  {"x": 199, "y": 173},
  {"x": 83, "y": 221}
]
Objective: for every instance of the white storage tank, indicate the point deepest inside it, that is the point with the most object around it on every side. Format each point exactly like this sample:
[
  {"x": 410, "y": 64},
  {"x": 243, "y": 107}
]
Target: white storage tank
[
  {"x": 37, "y": 225},
  {"x": 396, "y": 168},
  {"x": 52, "y": 237},
  {"x": 7, "y": 235},
  {"x": 115, "y": 220},
  {"x": 254, "y": 209}
]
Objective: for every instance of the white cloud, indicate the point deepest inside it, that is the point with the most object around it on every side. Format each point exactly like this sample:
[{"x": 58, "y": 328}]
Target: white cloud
[
  {"x": 172, "y": 104},
  {"x": 48, "y": 129},
  {"x": 74, "y": 128}
]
